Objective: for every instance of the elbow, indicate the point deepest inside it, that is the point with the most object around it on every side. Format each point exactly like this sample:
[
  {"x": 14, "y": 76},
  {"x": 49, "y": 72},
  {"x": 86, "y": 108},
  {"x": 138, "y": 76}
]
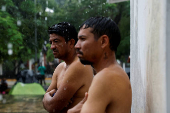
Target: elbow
[
  {"x": 53, "y": 110},
  {"x": 50, "y": 107},
  {"x": 47, "y": 106}
]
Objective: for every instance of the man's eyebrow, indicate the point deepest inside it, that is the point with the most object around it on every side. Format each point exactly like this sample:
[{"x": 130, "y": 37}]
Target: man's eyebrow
[
  {"x": 81, "y": 36},
  {"x": 54, "y": 39}
]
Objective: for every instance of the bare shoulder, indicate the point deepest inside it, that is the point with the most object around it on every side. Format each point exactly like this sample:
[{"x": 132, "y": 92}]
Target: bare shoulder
[
  {"x": 110, "y": 90},
  {"x": 114, "y": 80},
  {"x": 80, "y": 66},
  {"x": 58, "y": 69},
  {"x": 79, "y": 69},
  {"x": 114, "y": 74},
  {"x": 60, "y": 66}
]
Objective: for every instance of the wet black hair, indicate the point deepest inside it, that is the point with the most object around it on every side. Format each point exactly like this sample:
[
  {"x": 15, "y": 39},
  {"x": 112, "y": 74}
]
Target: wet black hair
[
  {"x": 104, "y": 26},
  {"x": 65, "y": 30}
]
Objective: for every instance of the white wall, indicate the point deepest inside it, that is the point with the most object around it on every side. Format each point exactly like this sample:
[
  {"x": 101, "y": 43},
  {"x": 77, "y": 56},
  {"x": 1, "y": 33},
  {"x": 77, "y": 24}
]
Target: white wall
[
  {"x": 168, "y": 54},
  {"x": 148, "y": 56}
]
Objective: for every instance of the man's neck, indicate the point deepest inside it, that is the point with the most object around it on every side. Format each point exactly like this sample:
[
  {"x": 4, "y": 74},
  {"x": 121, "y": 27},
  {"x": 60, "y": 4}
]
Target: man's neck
[
  {"x": 70, "y": 58},
  {"x": 106, "y": 60}
]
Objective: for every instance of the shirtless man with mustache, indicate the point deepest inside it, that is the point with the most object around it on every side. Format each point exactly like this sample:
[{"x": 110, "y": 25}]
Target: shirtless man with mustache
[{"x": 71, "y": 79}]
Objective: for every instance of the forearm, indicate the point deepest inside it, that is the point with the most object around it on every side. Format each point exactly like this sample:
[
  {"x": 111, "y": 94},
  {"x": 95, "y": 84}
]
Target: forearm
[
  {"x": 55, "y": 104},
  {"x": 49, "y": 106},
  {"x": 51, "y": 103}
]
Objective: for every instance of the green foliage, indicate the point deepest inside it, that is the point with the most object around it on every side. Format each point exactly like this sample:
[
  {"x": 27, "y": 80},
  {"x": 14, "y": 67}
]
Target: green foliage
[
  {"x": 124, "y": 26},
  {"x": 9, "y": 34},
  {"x": 77, "y": 12},
  {"x": 50, "y": 56},
  {"x": 74, "y": 11}
]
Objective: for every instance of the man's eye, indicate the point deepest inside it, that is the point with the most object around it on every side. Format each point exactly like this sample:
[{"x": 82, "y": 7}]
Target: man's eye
[
  {"x": 50, "y": 42},
  {"x": 56, "y": 41},
  {"x": 82, "y": 38}
]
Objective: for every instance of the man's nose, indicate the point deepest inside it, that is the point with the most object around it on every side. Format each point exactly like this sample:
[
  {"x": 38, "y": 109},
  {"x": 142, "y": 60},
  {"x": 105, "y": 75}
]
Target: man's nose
[
  {"x": 77, "y": 45},
  {"x": 52, "y": 46}
]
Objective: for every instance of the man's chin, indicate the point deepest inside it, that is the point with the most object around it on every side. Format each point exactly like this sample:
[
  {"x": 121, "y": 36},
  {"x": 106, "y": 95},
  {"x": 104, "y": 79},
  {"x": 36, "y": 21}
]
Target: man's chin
[
  {"x": 56, "y": 56},
  {"x": 85, "y": 62}
]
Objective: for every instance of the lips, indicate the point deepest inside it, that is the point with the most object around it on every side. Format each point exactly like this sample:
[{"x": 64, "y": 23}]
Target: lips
[
  {"x": 54, "y": 52},
  {"x": 79, "y": 55}
]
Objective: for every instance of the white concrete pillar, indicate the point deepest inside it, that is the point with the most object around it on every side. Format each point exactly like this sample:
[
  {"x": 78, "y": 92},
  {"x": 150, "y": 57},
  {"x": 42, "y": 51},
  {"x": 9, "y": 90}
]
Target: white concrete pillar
[
  {"x": 124, "y": 66},
  {"x": 30, "y": 63},
  {"x": 148, "y": 55},
  {"x": 168, "y": 54}
]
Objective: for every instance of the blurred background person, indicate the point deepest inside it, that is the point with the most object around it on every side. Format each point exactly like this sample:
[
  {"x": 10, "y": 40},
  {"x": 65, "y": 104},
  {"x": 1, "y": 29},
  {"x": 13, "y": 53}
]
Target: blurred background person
[
  {"x": 3, "y": 86},
  {"x": 41, "y": 70}
]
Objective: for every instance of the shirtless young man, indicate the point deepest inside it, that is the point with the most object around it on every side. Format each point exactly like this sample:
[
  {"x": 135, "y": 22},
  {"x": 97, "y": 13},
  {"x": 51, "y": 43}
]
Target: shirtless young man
[
  {"x": 71, "y": 79},
  {"x": 110, "y": 91}
]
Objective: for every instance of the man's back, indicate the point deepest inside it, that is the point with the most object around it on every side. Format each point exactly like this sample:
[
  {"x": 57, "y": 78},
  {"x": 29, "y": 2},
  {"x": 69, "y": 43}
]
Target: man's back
[
  {"x": 71, "y": 83},
  {"x": 110, "y": 92}
]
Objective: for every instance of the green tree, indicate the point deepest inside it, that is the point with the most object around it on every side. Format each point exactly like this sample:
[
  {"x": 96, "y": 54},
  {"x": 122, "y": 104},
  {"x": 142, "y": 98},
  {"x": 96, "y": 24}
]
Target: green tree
[
  {"x": 9, "y": 33},
  {"x": 77, "y": 11},
  {"x": 22, "y": 36}
]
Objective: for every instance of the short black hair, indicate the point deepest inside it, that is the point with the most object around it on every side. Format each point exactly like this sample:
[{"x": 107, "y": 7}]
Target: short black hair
[
  {"x": 65, "y": 30},
  {"x": 104, "y": 26}
]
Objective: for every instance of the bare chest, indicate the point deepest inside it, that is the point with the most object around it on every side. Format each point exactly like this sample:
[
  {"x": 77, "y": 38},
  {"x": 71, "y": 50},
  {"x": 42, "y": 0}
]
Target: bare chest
[{"x": 61, "y": 79}]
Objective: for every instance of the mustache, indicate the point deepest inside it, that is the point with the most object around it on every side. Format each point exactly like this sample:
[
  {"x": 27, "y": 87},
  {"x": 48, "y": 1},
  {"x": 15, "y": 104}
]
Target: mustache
[
  {"x": 79, "y": 52},
  {"x": 55, "y": 50}
]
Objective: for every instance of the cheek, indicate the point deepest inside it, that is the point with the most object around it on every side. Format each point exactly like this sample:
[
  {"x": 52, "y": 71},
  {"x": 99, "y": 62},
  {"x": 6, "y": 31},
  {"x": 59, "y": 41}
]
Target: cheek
[
  {"x": 60, "y": 45},
  {"x": 87, "y": 49},
  {"x": 92, "y": 49}
]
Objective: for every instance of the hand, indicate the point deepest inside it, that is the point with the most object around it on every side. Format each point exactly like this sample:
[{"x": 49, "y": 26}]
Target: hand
[
  {"x": 47, "y": 98},
  {"x": 52, "y": 92},
  {"x": 77, "y": 108}
]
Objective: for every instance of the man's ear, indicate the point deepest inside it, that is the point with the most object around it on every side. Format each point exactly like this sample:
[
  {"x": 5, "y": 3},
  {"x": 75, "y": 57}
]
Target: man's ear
[
  {"x": 104, "y": 41},
  {"x": 71, "y": 43}
]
